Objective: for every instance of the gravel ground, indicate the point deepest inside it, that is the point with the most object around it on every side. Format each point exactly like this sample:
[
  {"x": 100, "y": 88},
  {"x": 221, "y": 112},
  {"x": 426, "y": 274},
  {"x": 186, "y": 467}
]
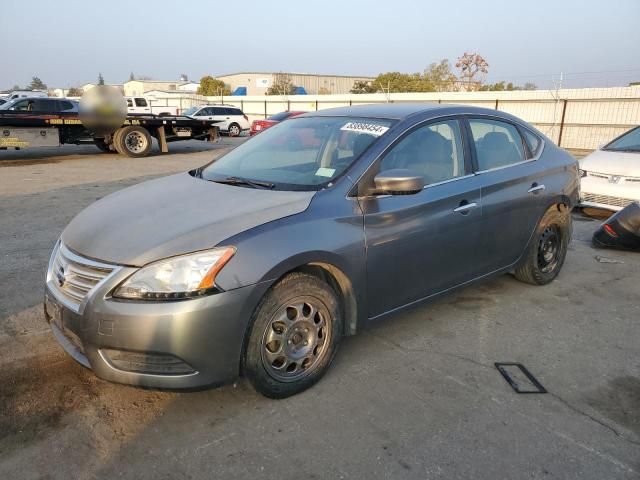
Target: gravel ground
[{"x": 413, "y": 397}]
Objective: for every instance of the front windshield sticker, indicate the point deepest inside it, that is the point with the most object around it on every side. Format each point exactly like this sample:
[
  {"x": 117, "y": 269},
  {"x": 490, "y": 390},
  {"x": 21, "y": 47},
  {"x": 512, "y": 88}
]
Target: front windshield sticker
[
  {"x": 325, "y": 172},
  {"x": 368, "y": 128}
]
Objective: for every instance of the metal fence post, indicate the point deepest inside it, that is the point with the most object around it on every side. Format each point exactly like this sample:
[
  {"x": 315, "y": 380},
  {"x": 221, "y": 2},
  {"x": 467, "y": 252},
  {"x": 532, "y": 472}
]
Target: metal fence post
[
  {"x": 496, "y": 104},
  {"x": 316, "y": 105},
  {"x": 564, "y": 110},
  {"x": 265, "y": 109}
]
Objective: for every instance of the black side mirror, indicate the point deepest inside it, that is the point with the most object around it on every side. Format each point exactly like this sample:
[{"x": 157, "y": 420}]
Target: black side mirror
[{"x": 398, "y": 182}]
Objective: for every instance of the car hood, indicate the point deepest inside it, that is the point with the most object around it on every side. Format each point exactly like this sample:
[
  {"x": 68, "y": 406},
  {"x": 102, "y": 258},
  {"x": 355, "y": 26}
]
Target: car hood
[
  {"x": 171, "y": 216},
  {"x": 626, "y": 164}
]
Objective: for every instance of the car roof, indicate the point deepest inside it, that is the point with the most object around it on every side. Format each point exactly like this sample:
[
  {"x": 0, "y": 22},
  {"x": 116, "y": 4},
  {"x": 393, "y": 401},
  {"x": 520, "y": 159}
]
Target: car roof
[{"x": 400, "y": 111}]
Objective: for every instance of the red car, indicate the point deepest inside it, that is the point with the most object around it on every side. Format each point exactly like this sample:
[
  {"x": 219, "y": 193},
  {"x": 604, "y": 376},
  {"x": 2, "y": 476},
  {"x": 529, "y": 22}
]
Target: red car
[{"x": 258, "y": 125}]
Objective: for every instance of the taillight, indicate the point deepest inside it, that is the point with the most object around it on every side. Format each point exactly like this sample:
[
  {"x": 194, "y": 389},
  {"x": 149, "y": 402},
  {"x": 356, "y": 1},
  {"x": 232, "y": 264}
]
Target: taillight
[
  {"x": 609, "y": 230},
  {"x": 245, "y": 117}
]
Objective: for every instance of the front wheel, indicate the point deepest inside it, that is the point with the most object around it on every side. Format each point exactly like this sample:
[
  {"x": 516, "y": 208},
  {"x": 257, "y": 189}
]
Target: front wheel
[
  {"x": 234, "y": 130},
  {"x": 548, "y": 249},
  {"x": 295, "y": 334}
]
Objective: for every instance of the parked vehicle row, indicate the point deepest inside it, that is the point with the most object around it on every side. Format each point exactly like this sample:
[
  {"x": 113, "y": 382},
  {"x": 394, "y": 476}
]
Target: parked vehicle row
[{"x": 283, "y": 246}]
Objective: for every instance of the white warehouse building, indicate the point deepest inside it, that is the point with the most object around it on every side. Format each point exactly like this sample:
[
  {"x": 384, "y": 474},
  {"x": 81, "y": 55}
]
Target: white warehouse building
[{"x": 257, "y": 83}]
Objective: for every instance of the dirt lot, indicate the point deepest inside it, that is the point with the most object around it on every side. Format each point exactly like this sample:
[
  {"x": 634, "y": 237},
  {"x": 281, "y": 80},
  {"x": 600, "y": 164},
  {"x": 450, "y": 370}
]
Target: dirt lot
[{"x": 414, "y": 397}]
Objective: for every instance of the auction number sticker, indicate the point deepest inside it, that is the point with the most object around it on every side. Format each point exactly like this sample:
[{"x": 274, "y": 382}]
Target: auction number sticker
[{"x": 368, "y": 128}]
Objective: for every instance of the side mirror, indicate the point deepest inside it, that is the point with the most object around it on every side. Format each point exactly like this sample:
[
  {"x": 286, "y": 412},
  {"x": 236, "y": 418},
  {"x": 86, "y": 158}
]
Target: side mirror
[{"x": 398, "y": 182}]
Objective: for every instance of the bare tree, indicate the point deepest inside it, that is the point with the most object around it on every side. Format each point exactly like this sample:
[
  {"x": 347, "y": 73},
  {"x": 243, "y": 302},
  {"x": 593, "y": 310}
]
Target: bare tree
[{"x": 473, "y": 67}]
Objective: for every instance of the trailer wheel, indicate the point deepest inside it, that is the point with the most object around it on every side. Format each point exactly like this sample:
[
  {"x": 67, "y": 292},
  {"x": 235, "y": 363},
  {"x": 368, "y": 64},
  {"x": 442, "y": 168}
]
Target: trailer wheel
[
  {"x": 133, "y": 141},
  {"x": 101, "y": 144}
]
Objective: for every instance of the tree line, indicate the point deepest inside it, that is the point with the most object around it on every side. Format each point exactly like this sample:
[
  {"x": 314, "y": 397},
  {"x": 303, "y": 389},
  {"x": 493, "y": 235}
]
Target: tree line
[{"x": 439, "y": 77}]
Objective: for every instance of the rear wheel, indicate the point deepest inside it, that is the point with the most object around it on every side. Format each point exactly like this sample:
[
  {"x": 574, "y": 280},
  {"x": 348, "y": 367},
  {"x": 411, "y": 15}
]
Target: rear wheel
[
  {"x": 132, "y": 141},
  {"x": 295, "y": 334},
  {"x": 234, "y": 130},
  {"x": 547, "y": 250}
]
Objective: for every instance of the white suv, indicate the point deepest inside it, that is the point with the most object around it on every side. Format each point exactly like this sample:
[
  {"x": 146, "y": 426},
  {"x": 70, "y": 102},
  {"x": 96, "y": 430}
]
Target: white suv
[{"x": 231, "y": 119}]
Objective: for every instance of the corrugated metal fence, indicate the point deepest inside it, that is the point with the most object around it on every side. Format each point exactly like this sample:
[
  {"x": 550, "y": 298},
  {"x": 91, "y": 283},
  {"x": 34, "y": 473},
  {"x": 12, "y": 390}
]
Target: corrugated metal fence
[{"x": 576, "y": 119}]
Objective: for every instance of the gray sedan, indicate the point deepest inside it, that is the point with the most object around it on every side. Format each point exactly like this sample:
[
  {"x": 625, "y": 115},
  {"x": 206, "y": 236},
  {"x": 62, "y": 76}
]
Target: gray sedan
[{"x": 260, "y": 262}]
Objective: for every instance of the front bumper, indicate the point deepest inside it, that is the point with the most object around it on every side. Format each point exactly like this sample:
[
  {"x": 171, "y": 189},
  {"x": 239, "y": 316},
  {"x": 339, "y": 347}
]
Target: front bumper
[
  {"x": 601, "y": 193},
  {"x": 181, "y": 344}
]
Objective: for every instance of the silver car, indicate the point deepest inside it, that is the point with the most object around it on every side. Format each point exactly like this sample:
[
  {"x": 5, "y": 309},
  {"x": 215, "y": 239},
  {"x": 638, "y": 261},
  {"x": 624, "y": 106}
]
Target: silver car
[{"x": 259, "y": 263}]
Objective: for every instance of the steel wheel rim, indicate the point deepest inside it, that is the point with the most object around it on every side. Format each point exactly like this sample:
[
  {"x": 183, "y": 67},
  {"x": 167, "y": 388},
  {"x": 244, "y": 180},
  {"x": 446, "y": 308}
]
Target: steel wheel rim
[
  {"x": 135, "y": 142},
  {"x": 549, "y": 249},
  {"x": 296, "y": 339}
]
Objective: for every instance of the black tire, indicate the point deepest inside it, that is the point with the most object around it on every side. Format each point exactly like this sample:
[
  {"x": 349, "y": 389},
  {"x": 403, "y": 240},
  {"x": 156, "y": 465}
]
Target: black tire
[
  {"x": 132, "y": 141},
  {"x": 101, "y": 144},
  {"x": 234, "y": 130},
  {"x": 294, "y": 335},
  {"x": 548, "y": 249}
]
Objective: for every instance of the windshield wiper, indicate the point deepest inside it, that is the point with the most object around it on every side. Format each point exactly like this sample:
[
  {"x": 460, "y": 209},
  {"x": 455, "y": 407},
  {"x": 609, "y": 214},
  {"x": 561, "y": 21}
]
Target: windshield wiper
[{"x": 244, "y": 181}]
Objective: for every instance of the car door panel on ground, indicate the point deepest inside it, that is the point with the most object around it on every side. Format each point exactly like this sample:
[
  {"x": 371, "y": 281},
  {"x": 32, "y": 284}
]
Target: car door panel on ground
[
  {"x": 513, "y": 191},
  {"x": 411, "y": 239}
]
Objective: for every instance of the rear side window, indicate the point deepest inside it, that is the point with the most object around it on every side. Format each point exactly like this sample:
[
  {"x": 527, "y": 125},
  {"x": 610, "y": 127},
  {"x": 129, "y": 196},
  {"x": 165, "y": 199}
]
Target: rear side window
[
  {"x": 217, "y": 111},
  {"x": 235, "y": 111},
  {"x": 498, "y": 144},
  {"x": 533, "y": 142},
  {"x": 141, "y": 102},
  {"x": 66, "y": 105}
]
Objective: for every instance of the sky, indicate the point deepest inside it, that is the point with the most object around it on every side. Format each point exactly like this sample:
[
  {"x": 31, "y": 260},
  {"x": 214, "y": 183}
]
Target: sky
[{"x": 67, "y": 43}]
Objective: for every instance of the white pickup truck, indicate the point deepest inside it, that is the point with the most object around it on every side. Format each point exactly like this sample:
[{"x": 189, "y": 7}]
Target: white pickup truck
[{"x": 146, "y": 105}]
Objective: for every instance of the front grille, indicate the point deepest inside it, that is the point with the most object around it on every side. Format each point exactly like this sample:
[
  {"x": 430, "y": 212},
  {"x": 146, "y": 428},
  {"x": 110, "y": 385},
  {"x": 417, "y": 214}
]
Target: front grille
[
  {"x": 73, "y": 276},
  {"x": 606, "y": 199}
]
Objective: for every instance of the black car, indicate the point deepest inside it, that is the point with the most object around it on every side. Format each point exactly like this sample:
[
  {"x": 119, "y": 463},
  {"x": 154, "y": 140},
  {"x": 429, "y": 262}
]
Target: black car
[{"x": 41, "y": 105}]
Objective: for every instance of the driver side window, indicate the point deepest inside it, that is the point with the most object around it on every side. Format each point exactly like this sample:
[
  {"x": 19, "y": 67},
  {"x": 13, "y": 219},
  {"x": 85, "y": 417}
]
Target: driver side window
[{"x": 434, "y": 151}]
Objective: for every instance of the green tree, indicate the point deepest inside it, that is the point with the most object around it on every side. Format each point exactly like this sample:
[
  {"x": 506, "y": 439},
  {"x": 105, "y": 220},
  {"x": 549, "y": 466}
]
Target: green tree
[
  {"x": 440, "y": 76},
  {"x": 529, "y": 86},
  {"x": 100, "y": 79},
  {"x": 16, "y": 87},
  {"x": 396, "y": 82},
  {"x": 36, "y": 84},
  {"x": 75, "y": 92},
  {"x": 132, "y": 76},
  {"x": 362, "y": 86},
  {"x": 281, "y": 85},
  {"x": 210, "y": 86}
]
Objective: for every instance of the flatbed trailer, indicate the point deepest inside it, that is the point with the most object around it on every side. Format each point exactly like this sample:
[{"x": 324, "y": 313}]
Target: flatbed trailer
[{"x": 132, "y": 139}]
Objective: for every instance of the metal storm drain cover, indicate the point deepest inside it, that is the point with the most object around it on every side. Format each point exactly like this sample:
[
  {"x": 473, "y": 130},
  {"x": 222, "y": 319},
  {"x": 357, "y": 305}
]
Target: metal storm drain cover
[{"x": 520, "y": 379}]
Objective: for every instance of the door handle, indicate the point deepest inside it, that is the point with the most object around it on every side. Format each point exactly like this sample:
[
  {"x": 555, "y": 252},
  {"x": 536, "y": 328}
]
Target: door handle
[
  {"x": 535, "y": 188},
  {"x": 465, "y": 208}
]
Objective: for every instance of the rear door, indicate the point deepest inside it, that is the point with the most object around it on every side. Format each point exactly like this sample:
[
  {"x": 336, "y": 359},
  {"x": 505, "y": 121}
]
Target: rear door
[
  {"x": 142, "y": 105},
  {"x": 513, "y": 190},
  {"x": 221, "y": 114},
  {"x": 422, "y": 244}
]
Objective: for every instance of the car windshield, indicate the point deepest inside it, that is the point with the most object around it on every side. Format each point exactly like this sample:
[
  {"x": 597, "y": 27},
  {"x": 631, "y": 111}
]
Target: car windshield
[
  {"x": 9, "y": 104},
  {"x": 299, "y": 154},
  {"x": 190, "y": 111},
  {"x": 629, "y": 142}
]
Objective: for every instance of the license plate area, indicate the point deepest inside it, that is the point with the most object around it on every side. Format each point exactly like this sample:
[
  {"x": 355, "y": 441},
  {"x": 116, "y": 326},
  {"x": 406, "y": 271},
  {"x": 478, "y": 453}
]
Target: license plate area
[{"x": 54, "y": 312}]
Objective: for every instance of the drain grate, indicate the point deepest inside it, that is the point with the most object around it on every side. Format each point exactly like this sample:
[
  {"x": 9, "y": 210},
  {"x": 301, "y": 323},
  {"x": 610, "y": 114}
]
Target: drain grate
[{"x": 520, "y": 379}]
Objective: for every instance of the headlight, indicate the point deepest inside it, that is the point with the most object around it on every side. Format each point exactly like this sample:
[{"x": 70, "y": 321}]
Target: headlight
[
  {"x": 582, "y": 173},
  {"x": 186, "y": 276}
]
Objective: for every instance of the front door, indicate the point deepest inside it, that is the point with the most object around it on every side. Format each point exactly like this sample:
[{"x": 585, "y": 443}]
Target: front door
[{"x": 422, "y": 244}]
